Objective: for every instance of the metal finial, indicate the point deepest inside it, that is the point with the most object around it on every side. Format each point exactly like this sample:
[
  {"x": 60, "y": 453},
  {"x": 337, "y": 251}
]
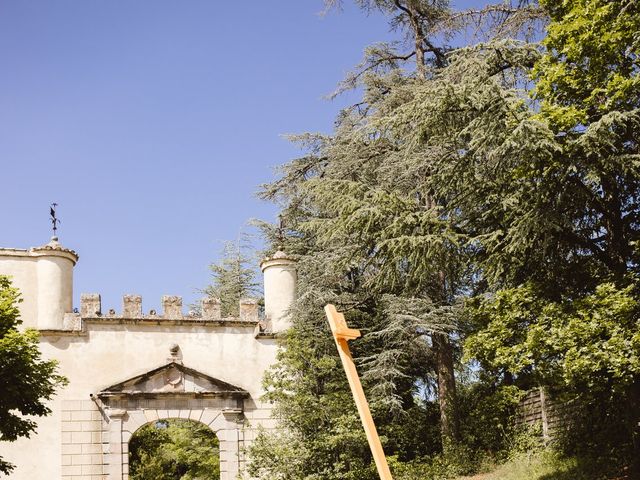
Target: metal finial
[
  {"x": 280, "y": 230},
  {"x": 54, "y": 220}
]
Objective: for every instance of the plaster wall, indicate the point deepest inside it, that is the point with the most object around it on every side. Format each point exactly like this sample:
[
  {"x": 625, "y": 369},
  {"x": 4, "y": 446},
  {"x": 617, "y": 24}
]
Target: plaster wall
[
  {"x": 24, "y": 275},
  {"x": 39, "y": 456},
  {"x": 44, "y": 276},
  {"x": 109, "y": 353},
  {"x": 55, "y": 290}
]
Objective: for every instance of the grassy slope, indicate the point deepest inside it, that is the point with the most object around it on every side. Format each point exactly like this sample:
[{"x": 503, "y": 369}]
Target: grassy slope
[{"x": 541, "y": 466}]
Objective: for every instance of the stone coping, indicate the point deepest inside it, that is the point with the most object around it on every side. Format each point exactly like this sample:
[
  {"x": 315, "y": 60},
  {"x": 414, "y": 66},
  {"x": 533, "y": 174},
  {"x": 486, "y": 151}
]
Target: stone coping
[
  {"x": 158, "y": 320},
  {"x": 43, "y": 251},
  {"x": 13, "y": 251},
  {"x": 54, "y": 248},
  {"x": 162, "y": 395},
  {"x": 84, "y": 326}
]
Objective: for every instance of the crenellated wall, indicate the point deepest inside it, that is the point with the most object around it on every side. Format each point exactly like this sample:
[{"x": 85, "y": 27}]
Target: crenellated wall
[
  {"x": 86, "y": 436},
  {"x": 172, "y": 312}
]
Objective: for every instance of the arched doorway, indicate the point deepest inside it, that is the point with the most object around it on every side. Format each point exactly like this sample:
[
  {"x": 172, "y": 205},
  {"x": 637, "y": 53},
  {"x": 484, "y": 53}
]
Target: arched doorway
[
  {"x": 173, "y": 391},
  {"x": 174, "y": 449}
]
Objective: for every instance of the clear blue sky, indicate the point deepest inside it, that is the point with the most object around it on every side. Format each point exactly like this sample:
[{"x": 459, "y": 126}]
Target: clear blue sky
[{"x": 152, "y": 122}]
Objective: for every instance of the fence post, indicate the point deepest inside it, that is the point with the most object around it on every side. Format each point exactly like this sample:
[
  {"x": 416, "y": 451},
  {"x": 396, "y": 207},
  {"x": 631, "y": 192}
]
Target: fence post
[{"x": 543, "y": 414}]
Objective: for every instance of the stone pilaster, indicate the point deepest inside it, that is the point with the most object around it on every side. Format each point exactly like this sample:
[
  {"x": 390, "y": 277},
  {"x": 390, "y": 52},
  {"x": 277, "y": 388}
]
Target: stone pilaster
[{"x": 115, "y": 460}]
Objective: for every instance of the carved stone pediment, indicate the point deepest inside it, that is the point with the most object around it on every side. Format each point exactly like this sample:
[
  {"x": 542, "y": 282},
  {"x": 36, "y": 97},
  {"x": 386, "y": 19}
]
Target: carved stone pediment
[{"x": 173, "y": 378}]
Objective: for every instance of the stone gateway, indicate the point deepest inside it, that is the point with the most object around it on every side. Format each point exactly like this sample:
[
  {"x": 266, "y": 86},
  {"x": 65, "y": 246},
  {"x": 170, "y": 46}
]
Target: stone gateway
[{"x": 128, "y": 369}]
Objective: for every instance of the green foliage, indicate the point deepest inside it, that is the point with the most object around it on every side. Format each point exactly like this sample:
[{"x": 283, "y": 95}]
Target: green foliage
[
  {"x": 588, "y": 343},
  {"x": 373, "y": 236},
  {"x": 26, "y": 380},
  {"x": 278, "y": 456},
  {"x": 174, "y": 450},
  {"x": 322, "y": 436},
  {"x": 548, "y": 216},
  {"x": 590, "y": 66},
  {"x": 459, "y": 461},
  {"x": 487, "y": 414},
  {"x": 489, "y": 435},
  {"x": 284, "y": 457},
  {"x": 586, "y": 349},
  {"x": 232, "y": 279}
]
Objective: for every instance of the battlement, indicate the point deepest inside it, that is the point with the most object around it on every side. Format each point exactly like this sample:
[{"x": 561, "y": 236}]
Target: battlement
[
  {"x": 91, "y": 309},
  {"x": 44, "y": 276}
]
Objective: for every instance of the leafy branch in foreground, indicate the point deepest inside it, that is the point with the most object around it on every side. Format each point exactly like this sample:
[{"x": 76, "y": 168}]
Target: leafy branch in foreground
[{"x": 27, "y": 381}]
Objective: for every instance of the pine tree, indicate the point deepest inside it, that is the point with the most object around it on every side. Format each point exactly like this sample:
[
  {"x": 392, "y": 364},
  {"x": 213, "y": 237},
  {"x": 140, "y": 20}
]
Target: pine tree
[
  {"x": 373, "y": 236},
  {"x": 233, "y": 278}
]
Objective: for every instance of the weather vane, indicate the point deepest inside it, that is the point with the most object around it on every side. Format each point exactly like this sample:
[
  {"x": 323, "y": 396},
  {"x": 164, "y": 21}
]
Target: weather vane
[
  {"x": 54, "y": 220},
  {"x": 280, "y": 230}
]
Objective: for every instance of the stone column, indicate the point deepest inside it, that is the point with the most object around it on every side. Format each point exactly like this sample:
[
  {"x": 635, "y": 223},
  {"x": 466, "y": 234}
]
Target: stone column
[{"x": 115, "y": 453}]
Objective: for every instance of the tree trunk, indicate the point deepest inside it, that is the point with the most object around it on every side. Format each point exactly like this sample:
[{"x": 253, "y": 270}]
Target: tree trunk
[
  {"x": 613, "y": 222},
  {"x": 442, "y": 347},
  {"x": 446, "y": 390}
]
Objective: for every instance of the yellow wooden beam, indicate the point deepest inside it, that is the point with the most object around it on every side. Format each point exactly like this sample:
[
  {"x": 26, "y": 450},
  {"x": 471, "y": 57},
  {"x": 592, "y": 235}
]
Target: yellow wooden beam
[{"x": 342, "y": 334}]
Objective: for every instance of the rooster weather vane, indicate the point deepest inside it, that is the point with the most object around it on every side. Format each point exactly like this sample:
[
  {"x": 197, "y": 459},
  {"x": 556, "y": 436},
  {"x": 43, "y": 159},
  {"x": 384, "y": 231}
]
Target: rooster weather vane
[{"x": 54, "y": 220}]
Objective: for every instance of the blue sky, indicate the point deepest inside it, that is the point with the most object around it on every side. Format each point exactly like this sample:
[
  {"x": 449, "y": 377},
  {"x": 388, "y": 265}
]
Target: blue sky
[{"x": 153, "y": 122}]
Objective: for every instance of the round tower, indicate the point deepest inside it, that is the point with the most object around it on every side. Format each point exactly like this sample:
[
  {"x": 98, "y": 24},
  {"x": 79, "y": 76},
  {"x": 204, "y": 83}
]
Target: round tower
[
  {"x": 280, "y": 279},
  {"x": 54, "y": 269}
]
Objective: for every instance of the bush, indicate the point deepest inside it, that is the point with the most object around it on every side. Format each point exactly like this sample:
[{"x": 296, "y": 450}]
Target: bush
[{"x": 488, "y": 418}]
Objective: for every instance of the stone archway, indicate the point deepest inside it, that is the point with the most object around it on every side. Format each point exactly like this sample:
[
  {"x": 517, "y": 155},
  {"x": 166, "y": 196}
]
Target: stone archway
[{"x": 172, "y": 391}]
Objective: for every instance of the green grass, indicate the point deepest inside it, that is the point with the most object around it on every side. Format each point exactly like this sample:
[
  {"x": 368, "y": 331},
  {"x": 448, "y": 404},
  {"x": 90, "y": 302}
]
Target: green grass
[{"x": 545, "y": 465}]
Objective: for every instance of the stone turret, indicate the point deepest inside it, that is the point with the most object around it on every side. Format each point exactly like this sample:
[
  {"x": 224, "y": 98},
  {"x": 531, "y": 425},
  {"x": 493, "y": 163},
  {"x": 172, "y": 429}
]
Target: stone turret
[
  {"x": 280, "y": 279},
  {"x": 55, "y": 283},
  {"x": 44, "y": 276}
]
